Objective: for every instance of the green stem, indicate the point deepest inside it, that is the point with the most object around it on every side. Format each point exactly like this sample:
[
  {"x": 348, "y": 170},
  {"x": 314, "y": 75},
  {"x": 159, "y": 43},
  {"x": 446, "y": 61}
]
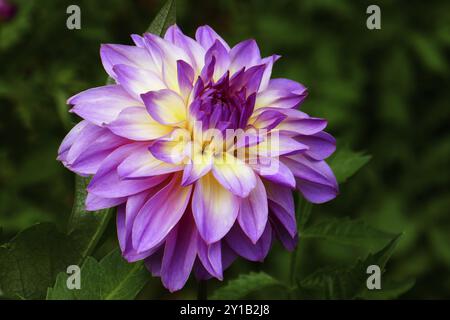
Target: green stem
[
  {"x": 293, "y": 267},
  {"x": 302, "y": 213},
  {"x": 202, "y": 291}
]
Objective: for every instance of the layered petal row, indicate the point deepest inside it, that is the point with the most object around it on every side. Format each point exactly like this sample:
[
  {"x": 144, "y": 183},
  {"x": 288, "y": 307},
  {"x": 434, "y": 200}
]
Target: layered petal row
[{"x": 199, "y": 150}]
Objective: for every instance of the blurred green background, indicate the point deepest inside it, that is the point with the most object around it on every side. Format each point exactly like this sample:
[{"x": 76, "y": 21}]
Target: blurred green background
[{"x": 385, "y": 92}]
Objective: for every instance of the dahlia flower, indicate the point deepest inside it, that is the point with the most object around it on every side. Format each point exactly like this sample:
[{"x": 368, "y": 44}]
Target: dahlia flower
[{"x": 200, "y": 151}]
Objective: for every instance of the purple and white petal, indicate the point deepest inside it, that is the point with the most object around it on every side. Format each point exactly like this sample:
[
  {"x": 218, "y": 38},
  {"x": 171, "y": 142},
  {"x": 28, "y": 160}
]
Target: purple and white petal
[
  {"x": 138, "y": 40},
  {"x": 125, "y": 220},
  {"x": 315, "y": 179},
  {"x": 141, "y": 163},
  {"x": 138, "y": 81},
  {"x": 114, "y": 54},
  {"x": 234, "y": 175},
  {"x": 274, "y": 170},
  {"x": 167, "y": 54},
  {"x": 165, "y": 106},
  {"x": 135, "y": 123},
  {"x": 276, "y": 145},
  {"x": 281, "y": 93},
  {"x": 269, "y": 62},
  {"x": 107, "y": 183},
  {"x": 215, "y": 209},
  {"x": 244, "y": 54},
  {"x": 195, "y": 51},
  {"x": 94, "y": 203},
  {"x": 153, "y": 263},
  {"x": 199, "y": 165},
  {"x": 287, "y": 240},
  {"x": 102, "y": 105},
  {"x": 269, "y": 119},
  {"x": 91, "y": 146},
  {"x": 179, "y": 254},
  {"x": 253, "y": 212},
  {"x": 243, "y": 246},
  {"x": 185, "y": 79},
  {"x": 221, "y": 59},
  {"x": 320, "y": 145},
  {"x": 206, "y": 36},
  {"x": 160, "y": 214},
  {"x": 210, "y": 256},
  {"x": 69, "y": 140}
]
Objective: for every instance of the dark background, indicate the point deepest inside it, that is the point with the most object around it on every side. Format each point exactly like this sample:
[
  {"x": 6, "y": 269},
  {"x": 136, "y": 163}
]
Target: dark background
[{"x": 385, "y": 92}]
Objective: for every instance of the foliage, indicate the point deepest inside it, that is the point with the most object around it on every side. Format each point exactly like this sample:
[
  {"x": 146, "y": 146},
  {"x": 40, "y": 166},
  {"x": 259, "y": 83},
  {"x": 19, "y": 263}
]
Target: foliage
[
  {"x": 85, "y": 227},
  {"x": 30, "y": 262},
  {"x": 347, "y": 232},
  {"x": 164, "y": 19},
  {"x": 346, "y": 282},
  {"x": 112, "y": 278},
  {"x": 346, "y": 163},
  {"x": 244, "y": 285}
]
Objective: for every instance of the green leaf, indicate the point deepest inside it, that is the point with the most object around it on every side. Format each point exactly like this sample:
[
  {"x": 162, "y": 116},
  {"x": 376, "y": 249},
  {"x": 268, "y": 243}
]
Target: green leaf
[
  {"x": 381, "y": 257},
  {"x": 164, "y": 19},
  {"x": 30, "y": 262},
  {"x": 440, "y": 244},
  {"x": 390, "y": 289},
  {"x": 86, "y": 227},
  {"x": 244, "y": 285},
  {"x": 303, "y": 209},
  {"x": 348, "y": 232},
  {"x": 345, "y": 163},
  {"x": 431, "y": 54},
  {"x": 112, "y": 278},
  {"x": 346, "y": 282}
]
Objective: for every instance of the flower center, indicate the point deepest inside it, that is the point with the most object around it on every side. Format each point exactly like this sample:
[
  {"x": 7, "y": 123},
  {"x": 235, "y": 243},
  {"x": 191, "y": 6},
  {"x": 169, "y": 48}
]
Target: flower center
[{"x": 221, "y": 105}]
